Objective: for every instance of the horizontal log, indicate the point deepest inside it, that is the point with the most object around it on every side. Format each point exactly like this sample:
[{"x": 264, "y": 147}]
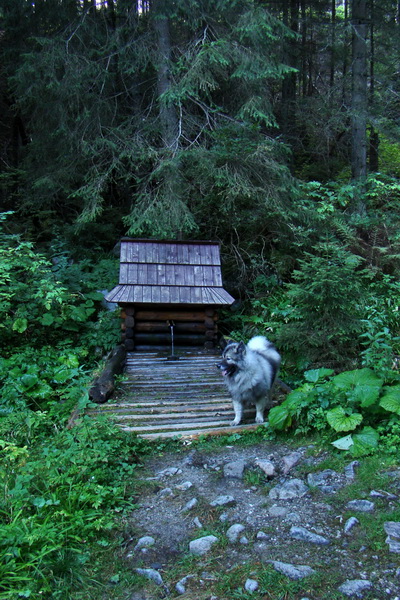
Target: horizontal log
[
  {"x": 162, "y": 327},
  {"x": 168, "y": 315},
  {"x": 159, "y": 338},
  {"x": 196, "y": 433}
]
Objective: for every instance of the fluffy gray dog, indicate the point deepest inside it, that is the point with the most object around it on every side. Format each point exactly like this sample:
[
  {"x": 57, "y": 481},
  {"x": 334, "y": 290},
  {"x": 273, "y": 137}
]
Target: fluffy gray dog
[{"x": 249, "y": 372}]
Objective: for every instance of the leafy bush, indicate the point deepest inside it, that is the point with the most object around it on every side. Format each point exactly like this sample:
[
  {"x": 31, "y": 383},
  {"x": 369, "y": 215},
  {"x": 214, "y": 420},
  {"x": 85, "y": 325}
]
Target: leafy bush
[
  {"x": 342, "y": 403},
  {"x": 62, "y": 493},
  {"x": 36, "y": 309}
]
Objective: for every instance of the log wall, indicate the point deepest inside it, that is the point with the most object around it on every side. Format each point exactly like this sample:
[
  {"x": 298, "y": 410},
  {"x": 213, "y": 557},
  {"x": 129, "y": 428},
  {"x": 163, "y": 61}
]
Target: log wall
[{"x": 149, "y": 325}]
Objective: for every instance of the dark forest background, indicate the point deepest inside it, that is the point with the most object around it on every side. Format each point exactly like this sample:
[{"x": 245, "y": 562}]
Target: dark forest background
[{"x": 270, "y": 126}]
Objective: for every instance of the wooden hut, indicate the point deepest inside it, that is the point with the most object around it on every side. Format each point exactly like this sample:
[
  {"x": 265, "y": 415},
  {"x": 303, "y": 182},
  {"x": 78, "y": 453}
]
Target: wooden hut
[{"x": 169, "y": 288}]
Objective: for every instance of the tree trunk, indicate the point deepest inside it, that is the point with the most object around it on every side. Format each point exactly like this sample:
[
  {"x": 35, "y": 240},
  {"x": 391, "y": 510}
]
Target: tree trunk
[
  {"x": 333, "y": 43},
  {"x": 359, "y": 90},
  {"x": 373, "y": 154},
  {"x": 291, "y": 19},
  {"x": 167, "y": 111}
]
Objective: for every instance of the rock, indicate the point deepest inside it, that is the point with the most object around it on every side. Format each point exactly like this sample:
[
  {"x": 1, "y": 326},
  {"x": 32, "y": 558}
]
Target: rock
[
  {"x": 251, "y": 585},
  {"x": 234, "y": 531},
  {"x": 186, "y": 485},
  {"x": 293, "y": 517},
  {"x": 145, "y": 542},
  {"x": 234, "y": 469},
  {"x": 202, "y": 545},
  {"x": 290, "y": 461},
  {"x": 292, "y": 571},
  {"x": 266, "y": 466},
  {"x": 197, "y": 522},
  {"x": 165, "y": 493},
  {"x": 243, "y": 540},
  {"x": 383, "y": 494},
  {"x": 151, "y": 574},
  {"x": 194, "y": 459},
  {"x": 277, "y": 511},
  {"x": 293, "y": 488},
  {"x": 392, "y": 529},
  {"x": 302, "y": 534},
  {"x": 327, "y": 481},
  {"x": 169, "y": 472},
  {"x": 350, "y": 523},
  {"x": 223, "y": 501},
  {"x": 191, "y": 504},
  {"x": 349, "y": 471},
  {"x": 355, "y": 587},
  {"x": 261, "y": 535},
  {"x": 180, "y": 586},
  {"x": 361, "y": 505}
]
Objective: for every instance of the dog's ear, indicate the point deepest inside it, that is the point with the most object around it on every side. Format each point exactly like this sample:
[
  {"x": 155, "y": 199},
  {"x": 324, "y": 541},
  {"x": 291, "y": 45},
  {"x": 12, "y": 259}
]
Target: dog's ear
[{"x": 241, "y": 347}]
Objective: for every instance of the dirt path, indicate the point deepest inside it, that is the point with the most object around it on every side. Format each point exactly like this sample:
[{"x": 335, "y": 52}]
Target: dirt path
[{"x": 294, "y": 529}]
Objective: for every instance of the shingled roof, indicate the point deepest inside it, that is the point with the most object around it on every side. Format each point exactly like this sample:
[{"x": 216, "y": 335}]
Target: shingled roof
[{"x": 169, "y": 272}]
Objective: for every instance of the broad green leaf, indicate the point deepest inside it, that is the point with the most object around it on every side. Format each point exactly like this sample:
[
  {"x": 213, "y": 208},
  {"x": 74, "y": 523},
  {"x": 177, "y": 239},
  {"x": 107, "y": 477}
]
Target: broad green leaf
[
  {"x": 294, "y": 401},
  {"x": 359, "y": 377},
  {"x": 315, "y": 375},
  {"x": 340, "y": 421},
  {"x": 364, "y": 442},
  {"x": 64, "y": 374},
  {"x": 47, "y": 319},
  {"x": 366, "y": 395},
  {"x": 279, "y": 418},
  {"x": 29, "y": 381},
  {"x": 20, "y": 325},
  {"x": 391, "y": 400},
  {"x": 343, "y": 443}
]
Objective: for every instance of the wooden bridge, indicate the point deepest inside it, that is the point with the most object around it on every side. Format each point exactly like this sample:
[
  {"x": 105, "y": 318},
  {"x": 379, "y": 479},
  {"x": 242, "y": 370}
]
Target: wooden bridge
[{"x": 162, "y": 398}]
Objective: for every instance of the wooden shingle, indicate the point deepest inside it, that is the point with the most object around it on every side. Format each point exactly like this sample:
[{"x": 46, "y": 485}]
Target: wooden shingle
[{"x": 169, "y": 272}]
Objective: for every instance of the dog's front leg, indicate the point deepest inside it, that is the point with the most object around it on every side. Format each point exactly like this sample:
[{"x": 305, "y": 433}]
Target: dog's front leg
[
  {"x": 238, "y": 408},
  {"x": 259, "y": 413}
]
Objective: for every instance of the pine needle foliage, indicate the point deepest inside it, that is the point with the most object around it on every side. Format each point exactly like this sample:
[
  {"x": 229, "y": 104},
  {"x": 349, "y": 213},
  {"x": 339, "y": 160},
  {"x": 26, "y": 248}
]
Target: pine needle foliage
[{"x": 98, "y": 134}]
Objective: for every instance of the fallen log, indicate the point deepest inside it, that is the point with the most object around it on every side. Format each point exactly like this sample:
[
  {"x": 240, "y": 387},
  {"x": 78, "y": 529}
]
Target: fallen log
[{"x": 104, "y": 385}]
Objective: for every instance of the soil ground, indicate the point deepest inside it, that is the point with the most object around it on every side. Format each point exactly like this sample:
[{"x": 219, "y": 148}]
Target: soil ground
[{"x": 170, "y": 481}]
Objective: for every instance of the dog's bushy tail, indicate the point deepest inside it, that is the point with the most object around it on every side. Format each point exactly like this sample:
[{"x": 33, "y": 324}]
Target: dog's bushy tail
[{"x": 260, "y": 343}]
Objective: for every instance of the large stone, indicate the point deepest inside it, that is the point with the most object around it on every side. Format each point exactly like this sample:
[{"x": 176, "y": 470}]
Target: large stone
[
  {"x": 293, "y": 488},
  {"x": 303, "y": 535},
  {"x": 355, "y": 587},
  {"x": 151, "y": 574},
  {"x": 202, "y": 545},
  {"x": 361, "y": 505},
  {"x": 181, "y": 585},
  {"x": 349, "y": 470},
  {"x": 327, "y": 481},
  {"x": 190, "y": 505},
  {"x": 292, "y": 571},
  {"x": 350, "y": 523},
  {"x": 289, "y": 461},
  {"x": 251, "y": 585},
  {"x": 145, "y": 542},
  {"x": 234, "y": 469},
  {"x": 169, "y": 472},
  {"x": 392, "y": 529},
  {"x": 266, "y": 466},
  {"x": 234, "y": 531},
  {"x": 223, "y": 501}
]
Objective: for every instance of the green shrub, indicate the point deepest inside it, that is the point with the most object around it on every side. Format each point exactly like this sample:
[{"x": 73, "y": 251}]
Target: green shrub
[
  {"x": 61, "y": 494},
  {"x": 341, "y": 403}
]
